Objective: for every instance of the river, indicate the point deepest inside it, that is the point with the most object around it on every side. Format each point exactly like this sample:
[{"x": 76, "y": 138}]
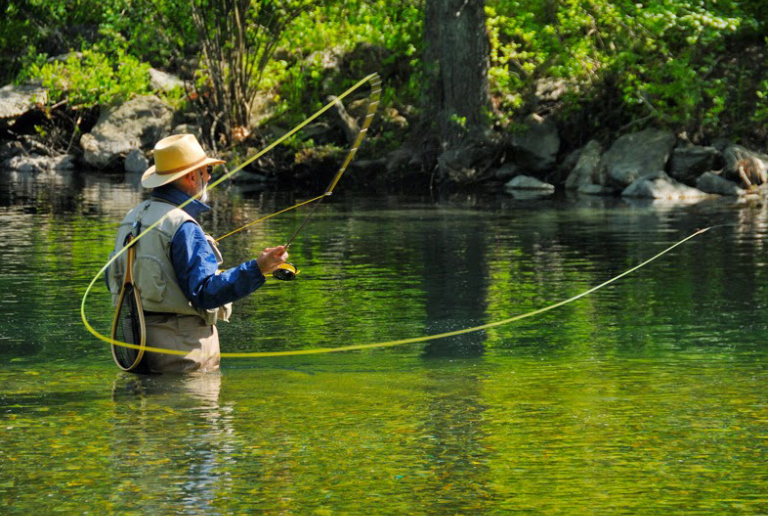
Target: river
[{"x": 646, "y": 397}]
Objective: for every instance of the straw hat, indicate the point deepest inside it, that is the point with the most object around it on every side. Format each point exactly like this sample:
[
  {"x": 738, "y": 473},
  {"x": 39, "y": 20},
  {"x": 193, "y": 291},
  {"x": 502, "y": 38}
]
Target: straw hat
[{"x": 175, "y": 156}]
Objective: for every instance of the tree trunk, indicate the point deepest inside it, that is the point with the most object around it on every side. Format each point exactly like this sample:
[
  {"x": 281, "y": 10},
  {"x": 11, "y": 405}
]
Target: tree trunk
[{"x": 455, "y": 94}]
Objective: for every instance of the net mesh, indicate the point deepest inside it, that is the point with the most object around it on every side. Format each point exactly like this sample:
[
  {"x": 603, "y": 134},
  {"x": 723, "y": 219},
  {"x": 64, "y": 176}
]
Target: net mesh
[{"x": 128, "y": 328}]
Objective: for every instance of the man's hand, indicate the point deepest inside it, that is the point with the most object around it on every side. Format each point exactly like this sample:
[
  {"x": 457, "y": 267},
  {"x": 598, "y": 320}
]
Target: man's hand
[{"x": 271, "y": 258}]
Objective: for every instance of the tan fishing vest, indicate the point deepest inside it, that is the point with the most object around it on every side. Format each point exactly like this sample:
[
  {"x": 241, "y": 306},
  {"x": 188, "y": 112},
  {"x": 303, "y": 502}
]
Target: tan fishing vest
[{"x": 153, "y": 272}]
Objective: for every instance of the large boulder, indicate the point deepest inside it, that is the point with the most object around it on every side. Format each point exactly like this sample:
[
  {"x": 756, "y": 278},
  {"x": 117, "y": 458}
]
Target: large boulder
[
  {"x": 687, "y": 164},
  {"x": 587, "y": 169},
  {"x": 537, "y": 147},
  {"x": 136, "y": 124},
  {"x": 636, "y": 155},
  {"x": 15, "y": 100},
  {"x": 660, "y": 186}
]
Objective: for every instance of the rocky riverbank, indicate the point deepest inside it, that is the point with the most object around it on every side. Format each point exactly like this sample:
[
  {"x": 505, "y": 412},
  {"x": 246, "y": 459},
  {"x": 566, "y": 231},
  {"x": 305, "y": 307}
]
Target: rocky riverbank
[{"x": 651, "y": 163}]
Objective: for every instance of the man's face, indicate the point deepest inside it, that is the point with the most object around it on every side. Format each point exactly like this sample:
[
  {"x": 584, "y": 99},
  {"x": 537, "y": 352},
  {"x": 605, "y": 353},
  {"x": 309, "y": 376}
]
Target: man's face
[{"x": 203, "y": 176}]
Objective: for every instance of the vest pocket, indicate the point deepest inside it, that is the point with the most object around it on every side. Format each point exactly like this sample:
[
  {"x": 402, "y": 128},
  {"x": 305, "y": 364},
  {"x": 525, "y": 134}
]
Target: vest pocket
[{"x": 150, "y": 278}]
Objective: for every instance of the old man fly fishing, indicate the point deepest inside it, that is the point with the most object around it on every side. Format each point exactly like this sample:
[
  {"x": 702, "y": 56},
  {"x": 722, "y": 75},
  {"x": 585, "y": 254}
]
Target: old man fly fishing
[
  {"x": 169, "y": 291},
  {"x": 164, "y": 273}
]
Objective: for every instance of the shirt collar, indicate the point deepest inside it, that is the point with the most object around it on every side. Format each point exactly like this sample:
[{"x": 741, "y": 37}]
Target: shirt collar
[{"x": 175, "y": 196}]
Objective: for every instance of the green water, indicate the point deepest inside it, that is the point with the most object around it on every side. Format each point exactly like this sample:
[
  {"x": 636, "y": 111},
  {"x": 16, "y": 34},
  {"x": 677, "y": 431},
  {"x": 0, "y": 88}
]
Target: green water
[{"x": 647, "y": 397}]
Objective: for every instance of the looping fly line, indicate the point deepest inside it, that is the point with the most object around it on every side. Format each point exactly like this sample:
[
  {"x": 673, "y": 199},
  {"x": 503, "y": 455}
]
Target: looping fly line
[
  {"x": 416, "y": 340},
  {"x": 375, "y": 83}
]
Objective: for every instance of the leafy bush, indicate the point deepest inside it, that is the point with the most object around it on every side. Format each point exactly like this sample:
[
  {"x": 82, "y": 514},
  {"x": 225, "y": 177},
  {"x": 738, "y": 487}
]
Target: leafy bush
[
  {"x": 663, "y": 57},
  {"x": 91, "y": 77}
]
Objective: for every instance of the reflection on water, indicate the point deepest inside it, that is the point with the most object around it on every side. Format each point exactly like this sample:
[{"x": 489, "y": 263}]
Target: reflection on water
[
  {"x": 647, "y": 397},
  {"x": 157, "y": 417}
]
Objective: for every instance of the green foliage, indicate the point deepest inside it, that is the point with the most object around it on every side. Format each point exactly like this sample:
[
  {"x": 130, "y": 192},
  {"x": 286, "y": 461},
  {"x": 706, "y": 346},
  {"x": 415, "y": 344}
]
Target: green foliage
[
  {"x": 656, "y": 54},
  {"x": 92, "y": 78},
  {"x": 320, "y": 37},
  {"x": 663, "y": 62}
]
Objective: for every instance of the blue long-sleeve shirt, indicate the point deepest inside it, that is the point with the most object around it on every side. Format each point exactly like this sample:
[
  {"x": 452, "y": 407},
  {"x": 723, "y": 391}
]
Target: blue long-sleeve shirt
[{"x": 195, "y": 264}]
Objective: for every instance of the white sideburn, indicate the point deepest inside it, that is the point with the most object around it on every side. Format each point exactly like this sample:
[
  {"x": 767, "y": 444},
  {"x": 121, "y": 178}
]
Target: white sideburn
[{"x": 204, "y": 187}]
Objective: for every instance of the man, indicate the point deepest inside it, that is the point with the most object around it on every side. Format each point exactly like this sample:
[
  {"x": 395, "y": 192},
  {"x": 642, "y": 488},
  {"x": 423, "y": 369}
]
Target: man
[{"x": 176, "y": 271}]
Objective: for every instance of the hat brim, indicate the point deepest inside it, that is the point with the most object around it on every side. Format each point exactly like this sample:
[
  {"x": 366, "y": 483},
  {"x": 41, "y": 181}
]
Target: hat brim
[{"x": 151, "y": 179}]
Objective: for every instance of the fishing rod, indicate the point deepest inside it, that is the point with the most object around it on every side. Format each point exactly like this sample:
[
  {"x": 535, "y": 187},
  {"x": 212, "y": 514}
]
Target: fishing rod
[
  {"x": 112, "y": 340},
  {"x": 288, "y": 271}
]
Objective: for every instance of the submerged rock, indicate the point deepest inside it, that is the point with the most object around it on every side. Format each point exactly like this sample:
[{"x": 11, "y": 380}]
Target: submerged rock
[
  {"x": 661, "y": 186},
  {"x": 529, "y": 183},
  {"x": 597, "y": 190}
]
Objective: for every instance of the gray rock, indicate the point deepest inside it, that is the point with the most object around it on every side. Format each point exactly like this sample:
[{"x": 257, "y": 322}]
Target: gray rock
[
  {"x": 15, "y": 100},
  {"x": 536, "y": 149},
  {"x": 64, "y": 163},
  {"x": 162, "y": 81},
  {"x": 528, "y": 183},
  {"x": 35, "y": 164},
  {"x": 530, "y": 195},
  {"x": 587, "y": 169},
  {"x": 137, "y": 124},
  {"x": 569, "y": 162},
  {"x": 638, "y": 154},
  {"x": 660, "y": 186},
  {"x": 712, "y": 183},
  {"x": 688, "y": 163},
  {"x": 136, "y": 162},
  {"x": 595, "y": 189}
]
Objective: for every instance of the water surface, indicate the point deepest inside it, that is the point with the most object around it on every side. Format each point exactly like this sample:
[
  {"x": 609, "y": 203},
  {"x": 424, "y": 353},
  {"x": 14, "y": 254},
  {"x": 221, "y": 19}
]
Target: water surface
[{"x": 646, "y": 397}]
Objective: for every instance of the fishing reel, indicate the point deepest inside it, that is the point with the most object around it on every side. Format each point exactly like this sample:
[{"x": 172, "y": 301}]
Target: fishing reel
[{"x": 286, "y": 272}]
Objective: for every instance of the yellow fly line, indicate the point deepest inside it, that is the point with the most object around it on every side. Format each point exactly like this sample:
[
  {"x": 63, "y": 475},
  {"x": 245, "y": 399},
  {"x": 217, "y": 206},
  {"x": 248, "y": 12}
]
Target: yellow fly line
[
  {"x": 416, "y": 340},
  {"x": 375, "y": 83}
]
